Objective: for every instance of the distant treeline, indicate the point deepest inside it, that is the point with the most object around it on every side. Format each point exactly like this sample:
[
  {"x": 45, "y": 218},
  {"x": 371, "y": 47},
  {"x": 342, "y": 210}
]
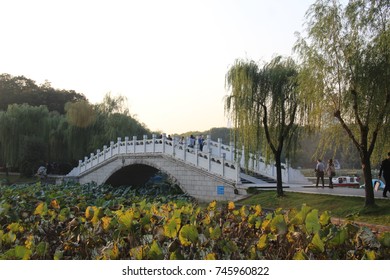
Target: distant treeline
[{"x": 40, "y": 124}]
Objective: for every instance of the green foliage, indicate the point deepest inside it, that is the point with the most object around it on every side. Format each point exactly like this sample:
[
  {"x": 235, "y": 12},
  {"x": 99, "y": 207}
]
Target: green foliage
[
  {"x": 340, "y": 207},
  {"x": 101, "y": 222},
  {"x": 21, "y": 125},
  {"x": 188, "y": 235},
  {"x": 264, "y": 105},
  {"x": 345, "y": 76},
  {"x": 80, "y": 114},
  {"x": 30, "y": 135},
  {"x": 21, "y": 90},
  {"x": 33, "y": 151}
]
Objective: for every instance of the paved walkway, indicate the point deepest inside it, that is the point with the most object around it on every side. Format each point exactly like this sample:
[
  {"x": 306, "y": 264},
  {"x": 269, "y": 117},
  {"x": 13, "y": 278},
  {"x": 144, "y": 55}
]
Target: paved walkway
[{"x": 341, "y": 191}]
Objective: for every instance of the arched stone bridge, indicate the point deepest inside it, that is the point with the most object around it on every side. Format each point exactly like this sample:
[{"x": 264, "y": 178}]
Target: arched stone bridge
[{"x": 213, "y": 173}]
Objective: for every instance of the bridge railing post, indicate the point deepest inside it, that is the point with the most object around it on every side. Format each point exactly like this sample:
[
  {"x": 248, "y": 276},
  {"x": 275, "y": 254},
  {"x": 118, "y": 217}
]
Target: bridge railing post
[
  {"x": 145, "y": 140},
  {"x": 126, "y": 143},
  {"x": 238, "y": 171},
  {"x": 223, "y": 164},
  {"x": 119, "y": 144},
  {"x": 232, "y": 157},
  {"x": 273, "y": 169},
  {"x": 164, "y": 137},
  {"x": 111, "y": 147},
  {"x": 251, "y": 162},
  {"x": 98, "y": 155},
  {"x": 173, "y": 146},
  {"x": 154, "y": 142},
  {"x": 242, "y": 162},
  {"x": 85, "y": 163},
  {"x": 91, "y": 159},
  {"x": 185, "y": 148},
  {"x": 209, "y": 158},
  {"x": 79, "y": 167},
  {"x": 134, "y": 144},
  {"x": 196, "y": 153},
  {"x": 104, "y": 151},
  {"x": 219, "y": 146},
  {"x": 208, "y": 142},
  {"x": 288, "y": 170}
]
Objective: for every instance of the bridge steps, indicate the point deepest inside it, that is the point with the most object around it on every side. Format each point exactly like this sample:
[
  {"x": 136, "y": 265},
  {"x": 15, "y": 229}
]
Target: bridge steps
[{"x": 256, "y": 178}]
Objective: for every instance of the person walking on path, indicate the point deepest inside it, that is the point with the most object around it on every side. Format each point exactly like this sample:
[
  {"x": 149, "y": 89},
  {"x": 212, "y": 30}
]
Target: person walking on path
[
  {"x": 320, "y": 172},
  {"x": 331, "y": 172},
  {"x": 385, "y": 170}
]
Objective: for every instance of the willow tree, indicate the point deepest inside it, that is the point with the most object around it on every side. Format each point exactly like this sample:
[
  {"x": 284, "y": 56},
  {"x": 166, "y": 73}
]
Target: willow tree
[
  {"x": 345, "y": 58},
  {"x": 80, "y": 116},
  {"x": 264, "y": 104},
  {"x": 113, "y": 120},
  {"x": 19, "y": 125}
]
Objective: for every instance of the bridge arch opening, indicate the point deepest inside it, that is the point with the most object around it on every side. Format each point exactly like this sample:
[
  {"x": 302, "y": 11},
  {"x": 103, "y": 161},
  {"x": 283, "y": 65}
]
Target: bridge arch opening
[
  {"x": 135, "y": 175},
  {"x": 147, "y": 179}
]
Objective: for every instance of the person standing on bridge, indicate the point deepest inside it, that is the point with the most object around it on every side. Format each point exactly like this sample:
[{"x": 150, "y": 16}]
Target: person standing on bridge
[
  {"x": 320, "y": 172},
  {"x": 385, "y": 169},
  {"x": 191, "y": 141},
  {"x": 200, "y": 142}
]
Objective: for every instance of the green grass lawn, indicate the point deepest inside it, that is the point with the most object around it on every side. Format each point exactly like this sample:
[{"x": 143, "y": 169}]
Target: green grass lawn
[{"x": 339, "y": 206}]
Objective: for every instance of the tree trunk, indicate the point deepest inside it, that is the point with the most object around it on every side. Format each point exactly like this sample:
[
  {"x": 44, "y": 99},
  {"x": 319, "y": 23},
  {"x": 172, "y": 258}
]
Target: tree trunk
[
  {"x": 279, "y": 182},
  {"x": 369, "y": 190}
]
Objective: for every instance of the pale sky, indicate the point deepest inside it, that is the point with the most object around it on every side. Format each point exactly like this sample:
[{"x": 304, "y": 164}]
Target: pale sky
[{"x": 169, "y": 58}]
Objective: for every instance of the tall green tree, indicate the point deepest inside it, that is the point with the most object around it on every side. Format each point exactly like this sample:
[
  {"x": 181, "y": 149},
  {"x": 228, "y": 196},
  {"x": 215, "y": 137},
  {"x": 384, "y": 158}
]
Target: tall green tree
[
  {"x": 20, "y": 90},
  {"x": 18, "y": 125},
  {"x": 64, "y": 128},
  {"x": 57, "y": 141},
  {"x": 264, "y": 104},
  {"x": 115, "y": 120},
  {"x": 345, "y": 55},
  {"x": 80, "y": 116}
]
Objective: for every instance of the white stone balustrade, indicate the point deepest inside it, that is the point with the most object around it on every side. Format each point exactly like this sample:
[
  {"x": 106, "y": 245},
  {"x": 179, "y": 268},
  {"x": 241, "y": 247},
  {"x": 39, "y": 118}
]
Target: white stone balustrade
[
  {"x": 214, "y": 164},
  {"x": 215, "y": 157},
  {"x": 256, "y": 163}
]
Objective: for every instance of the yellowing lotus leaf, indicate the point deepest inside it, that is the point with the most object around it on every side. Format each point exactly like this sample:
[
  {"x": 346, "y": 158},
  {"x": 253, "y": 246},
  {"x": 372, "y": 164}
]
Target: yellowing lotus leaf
[
  {"x": 210, "y": 256},
  {"x": 171, "y": 227},
  {"x": 215, "y": 233},
  {"x": 21, "y": 252},
  {"x": 106, "y": 221},
  {"x": 155, "y": 252},
  {"x": 212, "y": 205},
  {"x": 325, "y": 218},
  {"x": 89, "y": 212},
  {"x": 41, "y": 209},
  {"x": 54, "y": 203},
  {"x": 312, "y": 222},
  {"x": 137, "y": 253},
  {"x": 188, "y": 235},
  {"x": 317, "y": 245},
  {"x": 126, "y": 219},
  {"x": 263, "y": 242},
  {"x": 278, "y": 224},
  {"x": 300, "y": 255}
]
